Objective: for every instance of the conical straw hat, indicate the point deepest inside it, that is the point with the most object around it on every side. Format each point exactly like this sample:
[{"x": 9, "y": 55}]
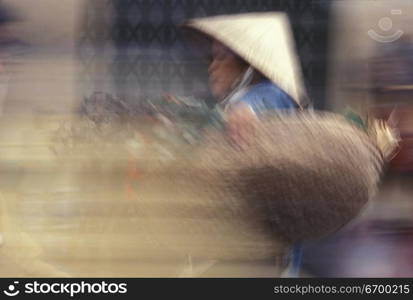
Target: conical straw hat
[{"x": 264, "y": 40}]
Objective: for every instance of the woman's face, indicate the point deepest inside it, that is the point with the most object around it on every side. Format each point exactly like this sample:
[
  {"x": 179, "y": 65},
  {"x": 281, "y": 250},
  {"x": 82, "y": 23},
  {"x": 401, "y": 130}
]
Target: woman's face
[{"x": 225, "y": 67}]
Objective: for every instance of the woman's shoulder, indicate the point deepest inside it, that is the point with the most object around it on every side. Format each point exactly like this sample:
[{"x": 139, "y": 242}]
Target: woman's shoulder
[{"x": 266, "y": 95}]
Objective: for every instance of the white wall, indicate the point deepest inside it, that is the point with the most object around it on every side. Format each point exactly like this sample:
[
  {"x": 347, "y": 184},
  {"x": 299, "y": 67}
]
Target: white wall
[{"x": 44, "y": 80}]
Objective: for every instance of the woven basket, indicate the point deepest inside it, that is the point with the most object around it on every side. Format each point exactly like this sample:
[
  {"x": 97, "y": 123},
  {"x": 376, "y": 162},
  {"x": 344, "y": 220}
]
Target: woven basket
[{"x": 298, "y": 177}]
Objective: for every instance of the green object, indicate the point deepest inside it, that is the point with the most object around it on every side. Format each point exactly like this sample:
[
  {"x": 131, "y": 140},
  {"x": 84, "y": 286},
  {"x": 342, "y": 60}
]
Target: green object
[{"x": 354, "y": 118}]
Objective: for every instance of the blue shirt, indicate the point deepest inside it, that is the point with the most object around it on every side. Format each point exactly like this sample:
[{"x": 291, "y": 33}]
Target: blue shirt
[{"x": 265, "y": 96}]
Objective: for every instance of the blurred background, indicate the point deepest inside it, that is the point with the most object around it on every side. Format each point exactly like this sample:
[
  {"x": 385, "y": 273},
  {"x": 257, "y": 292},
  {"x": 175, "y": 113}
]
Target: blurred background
[{"x": 57, "y": 55}]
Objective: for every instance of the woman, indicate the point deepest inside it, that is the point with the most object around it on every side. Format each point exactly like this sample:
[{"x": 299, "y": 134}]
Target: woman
[
  {"x": 253, "y": 68},
  {"x": 252, "y": 71}
]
